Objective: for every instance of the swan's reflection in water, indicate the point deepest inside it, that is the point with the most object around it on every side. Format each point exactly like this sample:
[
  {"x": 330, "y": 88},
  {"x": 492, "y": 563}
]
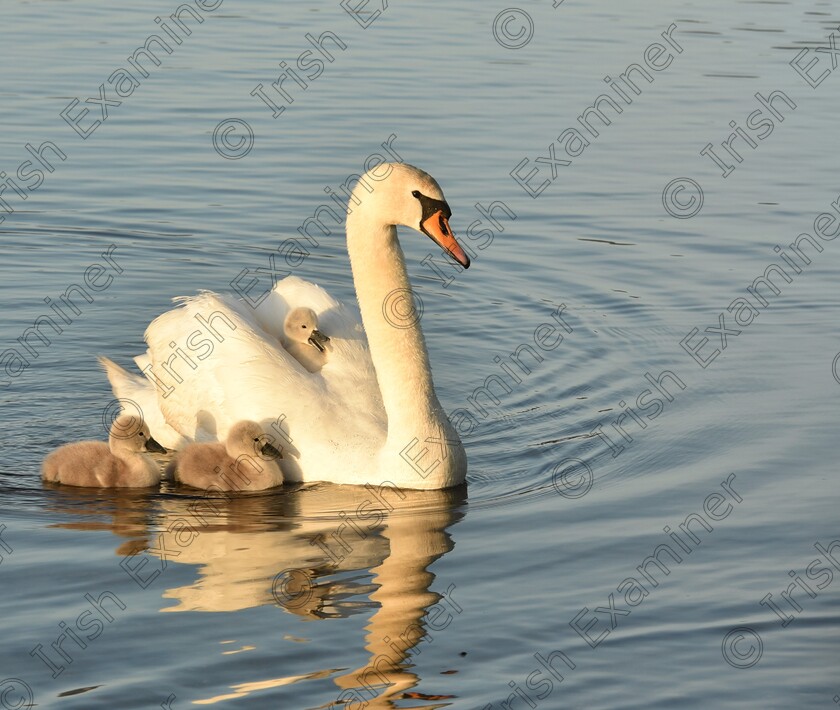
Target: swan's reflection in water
[
  {"x": 299, "y": 549},
  {"x": 126, "y": 512}
]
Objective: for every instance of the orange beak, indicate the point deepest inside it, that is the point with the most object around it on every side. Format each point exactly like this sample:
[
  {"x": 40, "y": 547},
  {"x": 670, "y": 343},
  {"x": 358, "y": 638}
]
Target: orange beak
[{"x": 437, "y": 227}]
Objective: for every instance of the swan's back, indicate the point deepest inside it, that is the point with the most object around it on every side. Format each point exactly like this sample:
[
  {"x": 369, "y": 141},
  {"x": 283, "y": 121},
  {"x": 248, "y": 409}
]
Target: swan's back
[
  {"x": 334, "y": 318},
  {"x": 234, "y": 368}
]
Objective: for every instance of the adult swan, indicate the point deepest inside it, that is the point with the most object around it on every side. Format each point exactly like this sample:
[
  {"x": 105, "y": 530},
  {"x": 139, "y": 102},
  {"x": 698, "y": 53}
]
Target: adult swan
[{"x": 371, "y": 415}]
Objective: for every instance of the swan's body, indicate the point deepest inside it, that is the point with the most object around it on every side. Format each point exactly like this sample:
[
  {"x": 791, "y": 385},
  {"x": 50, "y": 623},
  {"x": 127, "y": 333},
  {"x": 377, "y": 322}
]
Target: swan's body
[
  {"x": 245, "y": 462},
  {"x": 121, "y": 463},
  {"x": 371, "y": 415},
  {"x": 304, "y": 342}
]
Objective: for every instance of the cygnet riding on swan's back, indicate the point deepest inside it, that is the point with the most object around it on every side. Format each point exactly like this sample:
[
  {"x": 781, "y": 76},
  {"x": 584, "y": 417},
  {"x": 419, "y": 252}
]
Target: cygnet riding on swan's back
[
  {"x": 245, "y": 462},
  {"x": 121, "y": 463},
  {"x": 304, "y": 342},
  {"x": 371, "y": 415}
]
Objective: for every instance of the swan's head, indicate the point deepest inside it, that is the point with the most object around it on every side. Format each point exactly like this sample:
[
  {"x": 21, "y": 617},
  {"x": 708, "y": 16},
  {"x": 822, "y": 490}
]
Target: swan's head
[
  {"x": 128, "y": 433},
  {"x": 404, "y": 195},
  {"x": 301, "y": 326},
  {"x": 247, "y": 437}
]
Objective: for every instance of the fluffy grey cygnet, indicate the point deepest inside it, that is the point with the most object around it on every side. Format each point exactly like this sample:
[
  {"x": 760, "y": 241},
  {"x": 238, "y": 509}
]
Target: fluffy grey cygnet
[
  {"x": 245, "y": 462},
  {"x": 121, "y": 463}
]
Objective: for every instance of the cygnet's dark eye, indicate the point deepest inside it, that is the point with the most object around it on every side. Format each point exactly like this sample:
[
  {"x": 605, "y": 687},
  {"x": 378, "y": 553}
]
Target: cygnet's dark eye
[
  {"x": 304, "y": 327},
  {"x": 415, "y": 193},
  {"x": 257, "y": 439}
]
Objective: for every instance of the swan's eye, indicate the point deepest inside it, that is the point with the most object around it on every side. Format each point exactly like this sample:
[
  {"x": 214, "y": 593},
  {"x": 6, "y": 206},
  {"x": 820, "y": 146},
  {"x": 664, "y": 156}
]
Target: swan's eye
[
  {"x": 304, "y": 327},
  {"x": 415, "y": 193}
]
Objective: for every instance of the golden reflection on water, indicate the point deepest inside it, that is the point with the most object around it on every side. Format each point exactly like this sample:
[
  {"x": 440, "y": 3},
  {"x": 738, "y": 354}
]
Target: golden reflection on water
[{"x": 310, "y": 539}]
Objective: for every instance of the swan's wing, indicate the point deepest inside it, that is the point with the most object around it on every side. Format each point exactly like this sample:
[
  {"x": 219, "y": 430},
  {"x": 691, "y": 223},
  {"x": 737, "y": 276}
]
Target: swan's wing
[
  {"x": 137, "y": 393},
  {"x": 349, "y": 373},
  {"x": 346, "y": 385},
  {"x": 143, "y": 361},
  {"x": 216, "y": 366}
]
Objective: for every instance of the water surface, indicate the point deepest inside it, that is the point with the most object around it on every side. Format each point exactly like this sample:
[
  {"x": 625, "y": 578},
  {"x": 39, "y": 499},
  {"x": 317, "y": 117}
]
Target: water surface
[{"x": 452, "y": 598}]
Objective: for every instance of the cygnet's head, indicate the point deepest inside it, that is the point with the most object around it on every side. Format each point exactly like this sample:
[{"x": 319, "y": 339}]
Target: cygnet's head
[
  {"x": 301, "y": 326},
  {"x": 128, "y": 433},
  {"x": 248, "y": 437}
]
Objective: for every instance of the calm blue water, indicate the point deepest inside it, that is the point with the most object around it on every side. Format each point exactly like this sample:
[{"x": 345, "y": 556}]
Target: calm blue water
[{"x": 523, "y": 590}]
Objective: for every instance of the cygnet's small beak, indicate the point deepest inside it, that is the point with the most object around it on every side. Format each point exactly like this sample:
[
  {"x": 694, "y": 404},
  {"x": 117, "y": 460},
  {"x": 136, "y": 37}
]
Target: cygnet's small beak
[
  {"x": 269, "y": 451},
  {"x": 153, "y": 447},
  {"x": 318, "y": 340}
]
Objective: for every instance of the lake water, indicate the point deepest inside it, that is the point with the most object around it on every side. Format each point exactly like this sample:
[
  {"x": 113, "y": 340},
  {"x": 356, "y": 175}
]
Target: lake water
[{"x": 535, "y": 585}]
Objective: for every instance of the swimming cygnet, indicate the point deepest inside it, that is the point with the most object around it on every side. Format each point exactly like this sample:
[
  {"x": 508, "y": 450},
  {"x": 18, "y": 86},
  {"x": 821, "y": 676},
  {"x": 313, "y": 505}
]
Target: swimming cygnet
[
  {"x": 304, "y": 342},
  {"x": 233, "y": 466},
  {"x": 121, "y": 463}
]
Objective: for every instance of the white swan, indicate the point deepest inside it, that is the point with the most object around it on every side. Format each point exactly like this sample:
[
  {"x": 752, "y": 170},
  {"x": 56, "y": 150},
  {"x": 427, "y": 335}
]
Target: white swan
[
  {"x": 240, "y": 464},
  {"x": 371, "y": 415},
  {"x": 304, "y": 342},
  {"x": 121, "y": 463}
]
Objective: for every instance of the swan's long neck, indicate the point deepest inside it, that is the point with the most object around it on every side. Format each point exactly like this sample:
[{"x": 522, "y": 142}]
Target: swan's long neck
[{"x": 391, "y": 321}]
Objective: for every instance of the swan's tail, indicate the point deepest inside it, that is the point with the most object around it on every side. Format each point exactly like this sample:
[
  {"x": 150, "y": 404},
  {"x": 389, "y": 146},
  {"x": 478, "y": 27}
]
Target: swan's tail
[
  {"x": 136, "y": 394},
  {"x": 126, "y": 386}
]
